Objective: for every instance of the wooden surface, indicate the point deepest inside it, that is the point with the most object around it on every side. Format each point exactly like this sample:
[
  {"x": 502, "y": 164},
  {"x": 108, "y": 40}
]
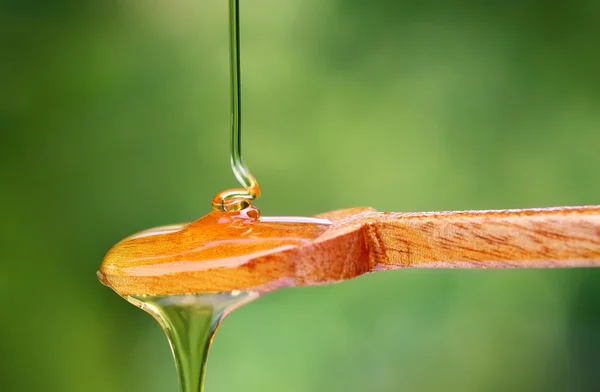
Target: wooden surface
[{"x": 356, "y": 241}]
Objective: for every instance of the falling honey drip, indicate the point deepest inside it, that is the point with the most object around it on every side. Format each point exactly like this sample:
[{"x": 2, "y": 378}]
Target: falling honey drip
[{"x": 190, "y": 322}]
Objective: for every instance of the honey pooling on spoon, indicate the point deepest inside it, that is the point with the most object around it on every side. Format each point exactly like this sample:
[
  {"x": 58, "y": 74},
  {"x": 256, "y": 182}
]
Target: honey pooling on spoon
[{"x": 222, "y": 251}]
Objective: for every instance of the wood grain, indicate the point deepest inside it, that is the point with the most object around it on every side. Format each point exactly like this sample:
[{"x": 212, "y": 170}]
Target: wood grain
[
  {"x": 355, "y": 242},
  {"x": 560, "y": 237}
]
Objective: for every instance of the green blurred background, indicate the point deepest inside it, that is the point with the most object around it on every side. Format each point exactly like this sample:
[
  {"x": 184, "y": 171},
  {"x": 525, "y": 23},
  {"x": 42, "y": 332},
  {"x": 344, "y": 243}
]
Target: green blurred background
[{"x": 115, "y": 119}]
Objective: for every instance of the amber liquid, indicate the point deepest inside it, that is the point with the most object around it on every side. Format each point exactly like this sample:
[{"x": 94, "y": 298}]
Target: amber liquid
[
  {"x": 178, "y": 275},
  {"x": 190, "y": 322},
  {"x": 214, "y": 253}
]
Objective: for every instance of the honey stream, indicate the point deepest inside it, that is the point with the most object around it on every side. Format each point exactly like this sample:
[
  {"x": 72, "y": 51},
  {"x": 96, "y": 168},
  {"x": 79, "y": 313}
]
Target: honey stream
[{"x": 177, "y": 273}]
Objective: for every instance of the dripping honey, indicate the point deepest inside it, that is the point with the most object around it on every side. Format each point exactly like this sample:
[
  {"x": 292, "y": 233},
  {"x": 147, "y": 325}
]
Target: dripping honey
[
  {"x": 180, "y": 274},
  {"x": 187, "y": 276}
]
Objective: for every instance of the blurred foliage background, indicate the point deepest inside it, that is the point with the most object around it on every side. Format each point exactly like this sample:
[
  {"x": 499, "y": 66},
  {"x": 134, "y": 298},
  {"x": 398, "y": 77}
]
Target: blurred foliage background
[{"x": 115, "y": 119}]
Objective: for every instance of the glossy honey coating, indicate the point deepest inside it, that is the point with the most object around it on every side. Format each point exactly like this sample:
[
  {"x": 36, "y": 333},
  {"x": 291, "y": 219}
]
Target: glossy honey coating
[{"x": 223, "y": 250}]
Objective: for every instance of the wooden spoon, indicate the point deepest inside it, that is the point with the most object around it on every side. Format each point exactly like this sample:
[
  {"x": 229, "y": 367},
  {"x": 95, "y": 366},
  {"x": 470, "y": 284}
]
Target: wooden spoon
[{"x": 227, "y": 251}]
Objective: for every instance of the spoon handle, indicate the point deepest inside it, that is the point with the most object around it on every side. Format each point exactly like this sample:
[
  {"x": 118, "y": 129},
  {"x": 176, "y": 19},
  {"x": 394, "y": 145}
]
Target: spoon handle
[{"x": 532, "y": 238}]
